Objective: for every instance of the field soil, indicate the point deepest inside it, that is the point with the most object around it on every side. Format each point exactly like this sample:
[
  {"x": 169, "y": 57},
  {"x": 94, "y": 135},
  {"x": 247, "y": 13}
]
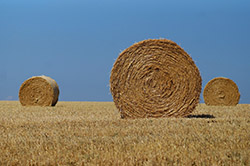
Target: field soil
[{"x": 92, "y": 133}]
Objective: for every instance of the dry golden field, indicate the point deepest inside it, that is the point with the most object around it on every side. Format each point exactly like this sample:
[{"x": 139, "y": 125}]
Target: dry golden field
[{"x": 92, "y": 133}]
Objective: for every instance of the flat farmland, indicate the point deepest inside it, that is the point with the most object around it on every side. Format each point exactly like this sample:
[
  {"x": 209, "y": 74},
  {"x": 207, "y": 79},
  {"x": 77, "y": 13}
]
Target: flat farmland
[{"x": 92, "y": 133}]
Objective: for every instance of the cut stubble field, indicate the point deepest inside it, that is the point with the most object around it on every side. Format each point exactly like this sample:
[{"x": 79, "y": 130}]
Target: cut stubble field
[{"x": 92, "y": 133}]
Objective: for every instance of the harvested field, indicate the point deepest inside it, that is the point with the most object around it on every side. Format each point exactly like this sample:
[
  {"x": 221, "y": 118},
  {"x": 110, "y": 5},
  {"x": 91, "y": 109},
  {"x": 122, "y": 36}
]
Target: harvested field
[{"x": 92, "y": 133}]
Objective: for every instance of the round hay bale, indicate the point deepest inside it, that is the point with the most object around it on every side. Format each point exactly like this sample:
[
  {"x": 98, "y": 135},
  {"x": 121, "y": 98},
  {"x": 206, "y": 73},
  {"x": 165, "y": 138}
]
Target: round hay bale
[
  {"x": 155, "y": 78},
  {"x": 39, "y": 91},
  {"x": 221, "y": 91}
]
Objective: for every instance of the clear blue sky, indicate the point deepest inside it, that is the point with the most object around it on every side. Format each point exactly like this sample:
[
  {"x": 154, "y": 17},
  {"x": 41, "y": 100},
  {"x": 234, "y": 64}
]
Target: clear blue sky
[{"x": 76, "y": 42}]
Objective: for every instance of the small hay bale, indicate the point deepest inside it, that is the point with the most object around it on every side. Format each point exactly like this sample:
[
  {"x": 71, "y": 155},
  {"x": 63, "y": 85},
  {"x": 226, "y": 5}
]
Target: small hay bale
[
  {"x": 221, "y": 91},
  {"x": 155, "y": 78},
  {"x": 39, "y": 91}
]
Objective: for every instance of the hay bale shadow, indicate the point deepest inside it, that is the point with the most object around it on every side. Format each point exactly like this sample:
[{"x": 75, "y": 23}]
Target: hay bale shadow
[{"x": 206, "y": 116}]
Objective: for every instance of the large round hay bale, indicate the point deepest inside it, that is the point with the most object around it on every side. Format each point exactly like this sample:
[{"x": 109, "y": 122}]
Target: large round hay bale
[
  {"x": 221, "y": 91},
  {"x": 39, "y": 91},
  {"x": 155, "y": 78}
]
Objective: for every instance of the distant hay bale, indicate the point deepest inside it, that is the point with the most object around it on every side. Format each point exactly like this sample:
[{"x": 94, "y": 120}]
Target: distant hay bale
[
  {"x": 39, "y": 91},
  {"x": 221, "y": 91},
  {"x": 155, "y": 78}
]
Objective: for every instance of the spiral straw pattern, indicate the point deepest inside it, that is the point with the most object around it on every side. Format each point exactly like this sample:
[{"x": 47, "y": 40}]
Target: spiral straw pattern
[
  {"x": 221, "y": 91},
  {"x": 39, "y": 91},
  {"x": 155, "y": 78}
]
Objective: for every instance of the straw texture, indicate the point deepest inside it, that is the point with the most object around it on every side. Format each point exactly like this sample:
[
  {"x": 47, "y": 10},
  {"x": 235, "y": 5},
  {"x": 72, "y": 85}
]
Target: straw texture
[
  {"x": 39, "y": 91},
  {"x": 155, "y": 78},
  {"x": 221, "y": 91}
]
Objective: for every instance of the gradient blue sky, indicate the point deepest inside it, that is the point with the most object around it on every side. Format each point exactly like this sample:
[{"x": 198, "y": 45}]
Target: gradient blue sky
[{"x": 76, "y": 42}]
